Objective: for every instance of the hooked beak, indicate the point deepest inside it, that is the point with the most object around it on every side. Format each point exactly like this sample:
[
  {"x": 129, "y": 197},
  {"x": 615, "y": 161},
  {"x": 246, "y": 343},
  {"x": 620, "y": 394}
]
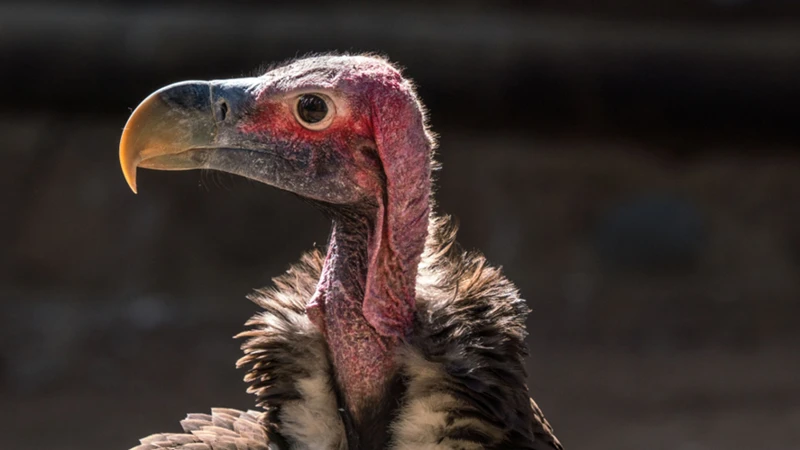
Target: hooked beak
[
  {"x": 183, "y": 126},
  {"x": 165, "y": 127}
]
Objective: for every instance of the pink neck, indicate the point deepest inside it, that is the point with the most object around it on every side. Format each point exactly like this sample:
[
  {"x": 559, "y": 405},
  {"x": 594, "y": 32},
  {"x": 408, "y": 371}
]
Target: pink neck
[{"x": 363, "y": 358}]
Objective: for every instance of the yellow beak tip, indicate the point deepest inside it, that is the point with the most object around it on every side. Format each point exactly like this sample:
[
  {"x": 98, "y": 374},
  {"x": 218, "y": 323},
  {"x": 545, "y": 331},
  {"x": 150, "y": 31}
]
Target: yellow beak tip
[
  {"x": 130, "y": 177},
  {"x": 132, "y": 185}
]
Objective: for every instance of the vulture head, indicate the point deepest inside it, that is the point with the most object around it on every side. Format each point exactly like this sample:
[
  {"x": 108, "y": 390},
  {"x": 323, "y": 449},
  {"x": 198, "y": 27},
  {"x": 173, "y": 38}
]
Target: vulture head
[{"x": 347, "y": 133}]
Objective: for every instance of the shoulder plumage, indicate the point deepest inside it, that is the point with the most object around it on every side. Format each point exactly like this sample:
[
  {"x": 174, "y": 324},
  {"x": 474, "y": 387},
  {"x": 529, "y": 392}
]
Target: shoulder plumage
[
  {"x": 221, "y": 430},
  {"x": 463, "y": 365},
  {"x": 469, "y": 343},
  {"x": 287, "y": 362}
]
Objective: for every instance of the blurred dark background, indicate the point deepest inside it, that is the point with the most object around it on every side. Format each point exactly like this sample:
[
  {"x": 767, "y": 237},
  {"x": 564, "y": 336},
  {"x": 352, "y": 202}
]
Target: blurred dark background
[{"x": 634, "y": 166}]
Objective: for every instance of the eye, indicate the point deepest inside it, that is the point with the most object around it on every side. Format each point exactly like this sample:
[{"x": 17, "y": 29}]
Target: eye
[{"x": 314, "y": 111}]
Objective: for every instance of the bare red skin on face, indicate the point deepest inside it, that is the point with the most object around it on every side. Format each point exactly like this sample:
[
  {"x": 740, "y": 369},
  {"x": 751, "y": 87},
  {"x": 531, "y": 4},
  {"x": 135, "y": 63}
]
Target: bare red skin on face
[{"x": 365, "y": 299}]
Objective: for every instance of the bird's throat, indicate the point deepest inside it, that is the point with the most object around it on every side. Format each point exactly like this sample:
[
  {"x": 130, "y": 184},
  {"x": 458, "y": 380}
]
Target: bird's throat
[{"x": 363, "y": 358}]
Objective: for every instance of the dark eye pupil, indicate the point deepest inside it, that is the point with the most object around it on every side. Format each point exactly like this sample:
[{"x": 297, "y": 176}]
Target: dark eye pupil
[{"x": 312, "y": 108}]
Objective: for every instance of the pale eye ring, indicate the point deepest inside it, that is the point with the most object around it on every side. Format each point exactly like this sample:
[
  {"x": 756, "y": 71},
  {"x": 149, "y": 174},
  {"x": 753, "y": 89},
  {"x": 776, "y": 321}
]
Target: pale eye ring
[{"x": 314, "y": 111}]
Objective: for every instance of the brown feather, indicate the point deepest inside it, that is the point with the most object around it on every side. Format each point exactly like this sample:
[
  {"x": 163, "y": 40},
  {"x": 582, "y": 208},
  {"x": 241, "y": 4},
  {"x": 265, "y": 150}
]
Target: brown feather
[
  {"x": 463, "y": 366},
  {"x": 466, "y": 354},
  {"x": 223, "y": 429}
]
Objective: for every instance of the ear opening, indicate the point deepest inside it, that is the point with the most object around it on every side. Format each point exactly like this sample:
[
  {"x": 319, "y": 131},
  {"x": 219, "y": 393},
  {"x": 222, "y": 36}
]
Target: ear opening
[{"x": 401, "y": 228}]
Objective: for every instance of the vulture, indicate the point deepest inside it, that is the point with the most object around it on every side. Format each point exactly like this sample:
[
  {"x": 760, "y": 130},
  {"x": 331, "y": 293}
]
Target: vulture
[{"x": 394, "y": 337}]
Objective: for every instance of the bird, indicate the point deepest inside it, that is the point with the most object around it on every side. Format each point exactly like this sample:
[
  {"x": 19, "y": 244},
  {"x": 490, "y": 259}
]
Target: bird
[{"x": 391, "y": 337}]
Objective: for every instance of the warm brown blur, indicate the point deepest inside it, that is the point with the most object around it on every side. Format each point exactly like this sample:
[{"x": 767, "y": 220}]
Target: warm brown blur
[{"x": 635, "y": 168}]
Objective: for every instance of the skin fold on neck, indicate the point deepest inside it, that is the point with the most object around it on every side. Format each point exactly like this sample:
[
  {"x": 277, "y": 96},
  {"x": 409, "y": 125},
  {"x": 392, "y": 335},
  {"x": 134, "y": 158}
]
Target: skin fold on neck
[{"x": 363, "y": 359}]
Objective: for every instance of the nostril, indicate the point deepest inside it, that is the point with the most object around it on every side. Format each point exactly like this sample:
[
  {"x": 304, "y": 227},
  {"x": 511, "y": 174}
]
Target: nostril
[{"x": 221, "y": 111}]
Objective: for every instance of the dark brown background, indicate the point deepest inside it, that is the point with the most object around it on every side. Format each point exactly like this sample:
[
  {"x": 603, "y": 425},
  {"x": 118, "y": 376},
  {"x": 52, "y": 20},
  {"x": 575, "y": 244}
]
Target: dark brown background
[{"x": 634, "y": 166}]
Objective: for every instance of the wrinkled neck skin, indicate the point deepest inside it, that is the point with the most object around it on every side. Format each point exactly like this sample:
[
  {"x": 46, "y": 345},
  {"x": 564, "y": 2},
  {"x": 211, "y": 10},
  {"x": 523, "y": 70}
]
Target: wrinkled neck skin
[{"x": 363, "y": 359}]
